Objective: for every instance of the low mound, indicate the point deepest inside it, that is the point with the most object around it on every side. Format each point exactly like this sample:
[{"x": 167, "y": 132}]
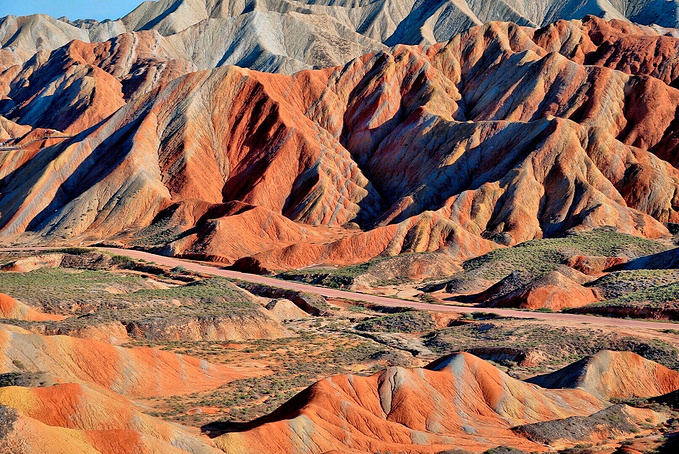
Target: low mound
[
  {"x": 459, "y": 402},
  {"x": 284, "y": 309},
  {"x": 73, "y": 258},
  {"x": 75, "y": 406},
  {"x": 661, "y": 261},
  {"x": 609, "y": 423},
  {"x": 34, "y": 262},
  {"x": 133, "y": 372},
  {"x": 113, "y": 332},
  {"x": 594, "y": 265},
  {"x": 13, "y": 309},
  {"x": 552, "y": 291},
  {"x": 379, "y": 272},
  {"x": 611, "y": 374},
  {"x": 22, "y": 435},
  {"x": 188, "y": 324}
]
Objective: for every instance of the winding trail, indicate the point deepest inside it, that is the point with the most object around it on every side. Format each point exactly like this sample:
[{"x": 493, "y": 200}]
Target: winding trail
[{"x": 375, "y": 299}]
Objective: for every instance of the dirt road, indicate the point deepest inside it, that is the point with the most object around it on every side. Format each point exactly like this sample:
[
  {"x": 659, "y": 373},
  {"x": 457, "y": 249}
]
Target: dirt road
[
  {"x": 386, "y": 301},
  {"x": 381, "y": 300}
]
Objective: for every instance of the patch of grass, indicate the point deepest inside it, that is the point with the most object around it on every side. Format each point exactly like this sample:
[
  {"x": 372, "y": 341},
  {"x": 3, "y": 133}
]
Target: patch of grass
[
  {"x": 65, "y": 288},
  {"x": 620, "y": 283},
  {"x": 80, "y": 292},
  {"x": 122, "y": 261},
  {"x": 342, "y": 277},
  {"x": 201, "y": 290}
]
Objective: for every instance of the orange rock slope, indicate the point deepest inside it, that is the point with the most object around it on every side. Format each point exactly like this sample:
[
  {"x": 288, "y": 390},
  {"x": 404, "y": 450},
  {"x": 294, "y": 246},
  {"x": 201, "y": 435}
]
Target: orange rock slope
[
  {"x": 88, "y": 408},
  {"x": 502, "y": 135},
  {"x": 614, "y": 375},
  {"x": 133, "y": 372},
  {"x": 13, "y": 309},
  {"x": 458, "y": 402},
  {"x": 104, "y": 421}
]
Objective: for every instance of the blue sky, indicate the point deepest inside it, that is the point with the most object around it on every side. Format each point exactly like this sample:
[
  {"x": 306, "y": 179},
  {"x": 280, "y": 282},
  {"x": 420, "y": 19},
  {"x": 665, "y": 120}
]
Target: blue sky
[{"x": 73, "y": 9}]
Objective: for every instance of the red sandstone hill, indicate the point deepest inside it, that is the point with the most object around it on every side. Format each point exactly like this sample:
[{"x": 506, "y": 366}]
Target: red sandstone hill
[
  {"x": 614, "y": 375},
  {"x": 458, "y": 402},
  {"x": 502, "y": 135},
  {"x": 70, "y": 394}
]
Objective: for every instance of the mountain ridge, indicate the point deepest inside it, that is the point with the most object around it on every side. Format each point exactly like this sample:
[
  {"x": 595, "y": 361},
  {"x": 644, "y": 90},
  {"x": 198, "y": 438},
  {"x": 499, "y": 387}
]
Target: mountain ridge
[
  {"x": 291, "y": 35},
  {"x": 401, "y": 151}
]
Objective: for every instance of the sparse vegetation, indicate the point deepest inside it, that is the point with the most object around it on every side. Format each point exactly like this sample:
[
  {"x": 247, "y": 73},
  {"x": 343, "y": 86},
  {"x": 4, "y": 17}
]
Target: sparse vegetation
[
  {"x": 342, "y": 277},
  {"x": 544, "y": 255},
  {"x": 559, "y": 345},
  {"x": 404, "y": 322},
  {"x": 654, "y": 296}
]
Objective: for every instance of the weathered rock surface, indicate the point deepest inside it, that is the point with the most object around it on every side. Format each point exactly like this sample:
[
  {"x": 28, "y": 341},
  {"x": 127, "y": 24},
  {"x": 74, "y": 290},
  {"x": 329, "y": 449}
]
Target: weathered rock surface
[
  {"x": 133, "y": 372},
  {"x": 103, "y": 420},
  {"x": 284, "y": 309},
  {"x": 553, "y": 291},
  {"x": 611, "y": 374},
  {"x": 282, "y": 35},
  {"x": 12, "y": 309},
  {"x": 594, "y": 266},
  {"x": 500, "y": 136},
  {"x": 459, "y": 402}
]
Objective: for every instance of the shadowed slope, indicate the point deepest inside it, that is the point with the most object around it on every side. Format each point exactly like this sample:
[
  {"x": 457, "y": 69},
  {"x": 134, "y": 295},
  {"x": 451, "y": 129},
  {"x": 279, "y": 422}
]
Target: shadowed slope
[
  {"x": 460, "y": 402},
  {"x": 488, "y": 137},
  {"x": 614, "y": 374}
]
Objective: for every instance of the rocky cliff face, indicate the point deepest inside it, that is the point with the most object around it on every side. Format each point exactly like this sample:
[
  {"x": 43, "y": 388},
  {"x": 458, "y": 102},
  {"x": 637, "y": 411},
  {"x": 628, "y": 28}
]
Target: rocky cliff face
[
  {"x": 502, "y": 135},
  {"x": 287, "y": 36}
]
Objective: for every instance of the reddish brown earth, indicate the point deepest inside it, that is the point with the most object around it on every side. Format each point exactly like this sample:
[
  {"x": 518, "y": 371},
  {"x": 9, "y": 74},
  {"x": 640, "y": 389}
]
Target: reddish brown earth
[
  {"x": 133, "y": 372},
  {"x": 89, "y": 412},
  {"x": 553, "y": 291},
  {"x": 457, "y": 402},
  {"x": 594, "y": 266},
  {"x": 502, "y": 135},
  {"x": 84, "y": 403},
  {"x": 13, "y": 309},
  {"x": 614, "y": 375}
]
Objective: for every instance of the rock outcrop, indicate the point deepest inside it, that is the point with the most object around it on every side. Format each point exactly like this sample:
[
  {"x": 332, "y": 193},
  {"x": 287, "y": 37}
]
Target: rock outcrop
[
  {"x": 133, "y": 372},
  {"x": 553, "y": 291},
  {"x": 458, "y": 402},
  {"x": 502, "y": 135},
  {"x": 611, "y": 374}
]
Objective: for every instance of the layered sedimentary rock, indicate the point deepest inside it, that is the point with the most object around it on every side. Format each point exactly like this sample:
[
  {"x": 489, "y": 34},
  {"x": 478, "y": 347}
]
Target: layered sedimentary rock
[
  {"x": 61, "y": 394},
  {"x": 287, "y": 36},
  {"x": 499, "y": 136},
  {"x": 135, "y": 372},
  {"x": 611, "y": 374},
  {"x": 457, "y": 402},
  {"x": 91, "y": 419},
  {"x": 10, "y": 308}
]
